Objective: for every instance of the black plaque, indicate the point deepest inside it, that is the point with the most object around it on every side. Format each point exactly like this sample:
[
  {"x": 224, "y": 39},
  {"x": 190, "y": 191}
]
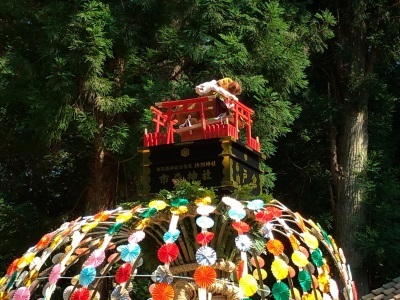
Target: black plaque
[{"x": 213, "y": 162}]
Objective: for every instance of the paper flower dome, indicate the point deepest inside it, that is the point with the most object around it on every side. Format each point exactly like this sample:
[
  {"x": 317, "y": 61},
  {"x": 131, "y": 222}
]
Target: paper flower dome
[{"x": 234, "y": 249}]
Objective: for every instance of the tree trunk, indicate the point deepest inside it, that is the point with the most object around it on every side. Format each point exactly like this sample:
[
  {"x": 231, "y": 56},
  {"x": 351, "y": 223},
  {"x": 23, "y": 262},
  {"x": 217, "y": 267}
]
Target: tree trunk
[
  {"x": 349, "y": 211},
  {"x": 103, "y": 178}
]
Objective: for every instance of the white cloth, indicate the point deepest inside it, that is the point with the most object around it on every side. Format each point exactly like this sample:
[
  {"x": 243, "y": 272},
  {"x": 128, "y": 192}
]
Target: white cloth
[{"x": 207, "y": 88}]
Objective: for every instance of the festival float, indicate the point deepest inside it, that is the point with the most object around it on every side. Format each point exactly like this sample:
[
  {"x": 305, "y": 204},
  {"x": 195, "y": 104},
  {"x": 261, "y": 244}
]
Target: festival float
[{"x": 188, "y": 246}]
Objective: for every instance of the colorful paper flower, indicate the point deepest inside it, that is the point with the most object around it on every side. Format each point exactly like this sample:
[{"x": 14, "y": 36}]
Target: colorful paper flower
[
  {"x": 123, "y": 273},
  {"x": 231, "y": 202},
  {"x": 130, "y": 252},
  {"x": 310, "y": 240},
  {"x": 279, "y": 269},
  {"x": 171, "y": 236},
  {"x": 262, "y": 272},
  {"x": 280, "y": 291},
  {"x": 259, "y": 259},
  {"x": 22, "y": 293},
  {"x": 149, "y": 212},
  {"x": 248, "y": 285},
  {"x": 243, "y": 242},
  {"x": 162, "y": 275},
  {"x": 179, "y": 202},
  {"x": 102, "y": 216},
  {"x": 96, "y": 258},
  {"x": 204, "y": 276},
  {"x": 203, "y": 238},
  {"x": 163, "y": 291},
  {"x": 125, "y": 216},
  {"x": 204, "y": 222},
  {"x": 136, "y": 237},
  {"x": 55, "y": 274},
  {"x": 87, "y": 276},
  {"x": 205, "y": 210},
  {"x": 299, "y": 259},
  {"x": 158, "y": 204},
  {"x": 203, "y": 201},
  {"x": 120, "y": 293},
  {"x": 206, "y": 256},
  {"x": 43, "y": 242},
  {"x": 114, "y": 228},
  {"x": 304, "y": 280},
  {"x": 80, "y": 294},
  {"x": 241, "y": 227},
  {"x": 236, "y": 213},
  {"x": 275, "y": 247},
  {"x": 168, "y": 253},
  {"x": 316, "y": 257},
  {"x": 256, "y": 204}
]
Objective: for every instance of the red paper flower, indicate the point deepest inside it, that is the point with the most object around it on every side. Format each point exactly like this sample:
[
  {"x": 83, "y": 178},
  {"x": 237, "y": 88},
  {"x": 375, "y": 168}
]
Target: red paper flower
[
  {"x": 203, "y": 238},
  {"x": 263, "y": 216},
  {"x": 241, "y": 227},
  {"x": 276, "y": 212},
  {"x": 163, "y": 291},
  {"x": 44, "y": 241},
  {"x": 123, "y": 273},
  {"x": 80, "y": 294},
  {"x": 240, "y": 269},
  {"x": 204, "y": 276},
  {"x": 168, "y": 253},
  {"x": 13, "y": 267}
]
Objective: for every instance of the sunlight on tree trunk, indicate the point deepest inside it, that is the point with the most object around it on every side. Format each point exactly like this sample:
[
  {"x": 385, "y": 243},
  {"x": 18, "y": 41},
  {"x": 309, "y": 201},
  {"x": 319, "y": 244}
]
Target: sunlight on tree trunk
[{"x": 349, "y": 210}]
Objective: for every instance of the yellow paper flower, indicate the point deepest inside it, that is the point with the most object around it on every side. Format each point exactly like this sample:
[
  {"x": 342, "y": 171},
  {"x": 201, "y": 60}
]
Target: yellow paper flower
[
  {"x": 248, "y": 285},
  {"x": 4, "y": 296},
  {"x": 299, "y": 259},
  {"x": 203, "y": 201},
  {"x": 89, "y": 226},
  {"x": 123, "y": 217},
  {"x": 33, "y": 274},
  {"x": 310, "y": 240},
  {"x": 142, "y": 224},
  {"x": 158, "y": 204},
  {"x": 294, "y": 242},
  {"x": 279, "y": 269},
  {"x": 3, "y": 281},
  {"x": 179, "y": 210},
  {"x": 263, "y": 274},
  {"x": 55, "y": 241}
]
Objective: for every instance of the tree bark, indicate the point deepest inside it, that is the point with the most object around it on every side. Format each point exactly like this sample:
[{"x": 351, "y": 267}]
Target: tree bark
[
  {"x": 349, "y": 211},
  {"x": 103, "y": 178}
]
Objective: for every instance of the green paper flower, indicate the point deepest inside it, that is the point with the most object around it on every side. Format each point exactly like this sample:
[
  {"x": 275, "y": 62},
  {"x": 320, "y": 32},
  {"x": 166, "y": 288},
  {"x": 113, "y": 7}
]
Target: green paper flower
[
  {"x": 179, "y": 202},
  {"x": 305, "y": 280},
  {"x": 114, "y": 228},
  {"x": 325, "y": 235},
  {"x": 280, "y": 291},
  {"x": 149, "y": 212},
  {"x": 316, "y": 257}
]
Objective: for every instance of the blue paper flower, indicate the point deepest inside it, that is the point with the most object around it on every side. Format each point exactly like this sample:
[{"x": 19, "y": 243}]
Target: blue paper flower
[
  {"x": 129, "y": 252},
  {"x": 87, "y": 275},
  {"x": 237, "y": 213},
  {"x": 205, "y": 222},
  {"x": 171, "y": 236},
  {"x": 256, "y": 204}
]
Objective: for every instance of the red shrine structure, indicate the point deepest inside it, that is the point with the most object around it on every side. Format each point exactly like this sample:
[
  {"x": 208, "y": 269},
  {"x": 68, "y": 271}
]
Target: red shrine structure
[
  {"x": 191, "y": 139},
  {"x": 194, "y": 119}
]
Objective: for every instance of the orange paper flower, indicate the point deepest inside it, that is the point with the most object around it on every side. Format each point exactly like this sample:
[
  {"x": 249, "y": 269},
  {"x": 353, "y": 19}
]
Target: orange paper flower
[
  {"x": 275, "y": 247},
  {"x": 163, "y": 291},
  {"x": 205, "y": 276}
]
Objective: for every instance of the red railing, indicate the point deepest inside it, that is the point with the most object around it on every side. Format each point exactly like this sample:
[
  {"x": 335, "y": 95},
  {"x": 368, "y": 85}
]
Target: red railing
[{"x": 195, "y": 119}]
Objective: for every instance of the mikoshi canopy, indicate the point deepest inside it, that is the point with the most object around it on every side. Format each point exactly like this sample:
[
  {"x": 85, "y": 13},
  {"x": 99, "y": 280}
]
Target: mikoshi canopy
[{"x": 274, "y": 252}]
